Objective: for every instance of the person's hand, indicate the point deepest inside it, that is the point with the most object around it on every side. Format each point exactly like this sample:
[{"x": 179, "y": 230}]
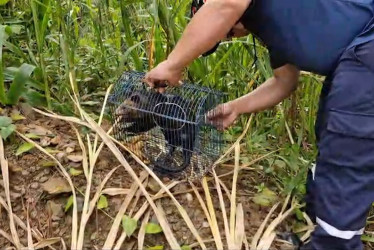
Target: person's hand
[
  {"x": 164, "y": 74},
  {"x": 223, "y": 116}
]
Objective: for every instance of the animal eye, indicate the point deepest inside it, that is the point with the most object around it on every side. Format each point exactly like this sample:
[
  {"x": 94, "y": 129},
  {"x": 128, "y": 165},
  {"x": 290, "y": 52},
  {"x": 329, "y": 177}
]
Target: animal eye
[{"x": 135, "y": 98}]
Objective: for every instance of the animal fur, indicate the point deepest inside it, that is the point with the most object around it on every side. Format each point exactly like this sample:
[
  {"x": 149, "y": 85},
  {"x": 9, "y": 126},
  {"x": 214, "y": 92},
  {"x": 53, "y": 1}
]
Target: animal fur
[{"x": 169, "y": 112}]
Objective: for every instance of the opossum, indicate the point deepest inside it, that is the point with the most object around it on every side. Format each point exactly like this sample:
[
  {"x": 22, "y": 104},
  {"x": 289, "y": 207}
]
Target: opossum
[
  {"x": 129, "y": 117},
  {"x": 171, "y": 113}
]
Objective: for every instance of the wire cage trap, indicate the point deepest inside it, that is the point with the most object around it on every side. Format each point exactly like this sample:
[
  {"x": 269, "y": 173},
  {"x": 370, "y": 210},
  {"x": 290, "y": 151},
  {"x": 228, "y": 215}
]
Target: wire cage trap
[{"x": 168, "y": 129}]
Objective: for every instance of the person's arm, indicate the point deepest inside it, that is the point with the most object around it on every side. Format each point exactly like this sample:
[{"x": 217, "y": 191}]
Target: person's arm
[
  {"x": 209, "y": 25},
  {"x": 269, "y": 94}
]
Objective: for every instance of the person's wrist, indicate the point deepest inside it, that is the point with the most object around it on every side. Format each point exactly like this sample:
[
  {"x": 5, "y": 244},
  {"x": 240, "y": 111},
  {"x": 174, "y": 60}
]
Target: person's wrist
[
  {"x": 234, "y": 107},
  {"x": 174, "y": 65}
]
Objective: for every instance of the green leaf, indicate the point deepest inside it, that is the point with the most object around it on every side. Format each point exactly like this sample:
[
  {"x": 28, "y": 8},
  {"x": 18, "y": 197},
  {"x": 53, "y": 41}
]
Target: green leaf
[
  {"x": 5, "y": 121},
  {"x": 18, "y": 86},
  {"x": 52, "y": 150},
  {"x": 3, "y": 2},
  {"x": 32, "y": 136},
  {"x": 34, "y": 98},
  {"x": 160, "y": 247},
  {"x": 153, "y": 228},
  {"x": 16, "y": 29},
  {"x": 48, "y": 164},
  {"x": 27, "y": 146},
  {"x": 129, "y": 225},
  {"x": 7, "y": 131},
  {"x": 186, "y": 247},
  {"x": 69, "y": 203},
  {"x": 102, "y": 203},
  {"x": 17, "y": 117},
  {"x": 367, "y": 238},
  {"x": 265, "y": 198},
  {"x": 3, "y": 37},
  {"x": 299, "y": 214},
  {"x": 74, "y": 172}
]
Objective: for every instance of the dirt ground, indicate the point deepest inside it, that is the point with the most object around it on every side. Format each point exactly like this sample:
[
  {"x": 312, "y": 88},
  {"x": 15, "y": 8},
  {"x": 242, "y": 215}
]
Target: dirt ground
[{"x": 31, "y": 175}]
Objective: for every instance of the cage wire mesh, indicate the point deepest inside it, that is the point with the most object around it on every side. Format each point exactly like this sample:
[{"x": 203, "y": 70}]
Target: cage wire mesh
[{"x": 168, "y": 130}]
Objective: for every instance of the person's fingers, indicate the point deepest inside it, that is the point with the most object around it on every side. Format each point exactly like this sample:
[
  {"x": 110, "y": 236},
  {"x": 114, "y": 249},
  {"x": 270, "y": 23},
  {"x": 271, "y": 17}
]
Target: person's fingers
[
  {"x": 148, "y": 80},
  {"x": 216, "y": 112}
]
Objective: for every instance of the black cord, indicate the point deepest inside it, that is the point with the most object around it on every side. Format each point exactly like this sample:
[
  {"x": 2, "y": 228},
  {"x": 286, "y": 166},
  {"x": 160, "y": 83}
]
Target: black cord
[{"x": 255, "y": 57}]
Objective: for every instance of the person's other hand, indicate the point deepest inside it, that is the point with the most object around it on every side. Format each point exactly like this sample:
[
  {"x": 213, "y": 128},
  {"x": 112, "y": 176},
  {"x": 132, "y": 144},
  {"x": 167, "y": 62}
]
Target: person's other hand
[
  {"x": 223, "y": 116},
  {"x": 164, "y": 74}
]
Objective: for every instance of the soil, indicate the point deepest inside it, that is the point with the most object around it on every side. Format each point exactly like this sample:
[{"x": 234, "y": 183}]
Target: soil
[{"x": 29, "y": 173}]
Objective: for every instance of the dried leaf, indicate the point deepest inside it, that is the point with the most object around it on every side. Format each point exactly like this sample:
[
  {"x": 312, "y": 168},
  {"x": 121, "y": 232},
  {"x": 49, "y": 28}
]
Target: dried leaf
[
  {"x": 75, "y": 172},
  {"x": 75, "y": 158},
  {"x": 115, "y": 191},
  {"x": 45, "y": 141},
  {"x": 153, "y": 228},
  {"x": 56, "y": 185},
  {"x": 46, "y": 243},
  {"x": 69, "y": 150},
  {"x": 129, "y": 225},
  {"x": 56, "y": 140},
  {"x": 54, "y": 209},
  {"x": 38, "y": 130},
  {"x": 102, "y": 203},
  {"x": 25, "y": 147}
]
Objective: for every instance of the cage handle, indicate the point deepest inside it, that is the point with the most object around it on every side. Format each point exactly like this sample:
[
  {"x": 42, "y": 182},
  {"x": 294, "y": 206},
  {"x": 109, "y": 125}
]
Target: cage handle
[{"x": 164, "y": 84}]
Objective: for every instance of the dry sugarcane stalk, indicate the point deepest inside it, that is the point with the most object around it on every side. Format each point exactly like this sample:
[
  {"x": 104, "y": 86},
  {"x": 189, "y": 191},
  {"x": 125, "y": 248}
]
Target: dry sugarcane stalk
[
  {"x": 257, "y": 236},
  {"x": 181, "y": 210},
  {"x": 237, "y": 142},
  {"x": 62, "y": 170},
  {"x": 212, "y": 214},
  {"x": 91, "y": 207},
  {"x": 30, "y": 244},
  {"x": 111, "y": 237},
  {"x": 239, "y": 227},
  {"x": 230, "y": 244},
  {"x": 5, "y": 173},
  {"x": 233, "y": 194},
  {"x": 140, "y": 213},
  {"x": 141, "y": 233}
]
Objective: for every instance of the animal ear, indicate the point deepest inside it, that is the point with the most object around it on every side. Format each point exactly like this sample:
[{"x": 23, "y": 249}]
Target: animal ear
[{"x": 135, "y": 99}]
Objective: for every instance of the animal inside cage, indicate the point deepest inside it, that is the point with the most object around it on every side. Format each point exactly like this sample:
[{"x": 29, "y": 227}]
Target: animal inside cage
[{"x": 168, "y": 129}]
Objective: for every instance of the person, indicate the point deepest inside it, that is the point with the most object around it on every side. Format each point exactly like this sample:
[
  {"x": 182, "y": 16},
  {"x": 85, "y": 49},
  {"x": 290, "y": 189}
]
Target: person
[{"x": 333, "y": 38}]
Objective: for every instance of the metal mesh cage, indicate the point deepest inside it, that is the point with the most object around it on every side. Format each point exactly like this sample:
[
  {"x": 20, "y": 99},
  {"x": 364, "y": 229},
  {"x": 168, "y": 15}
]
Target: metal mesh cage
[{"x": 168, "y": 130}]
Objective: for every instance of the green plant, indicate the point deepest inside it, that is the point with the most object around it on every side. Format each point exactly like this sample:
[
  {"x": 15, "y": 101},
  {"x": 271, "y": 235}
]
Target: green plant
[{"x": 6, "y": 127}]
